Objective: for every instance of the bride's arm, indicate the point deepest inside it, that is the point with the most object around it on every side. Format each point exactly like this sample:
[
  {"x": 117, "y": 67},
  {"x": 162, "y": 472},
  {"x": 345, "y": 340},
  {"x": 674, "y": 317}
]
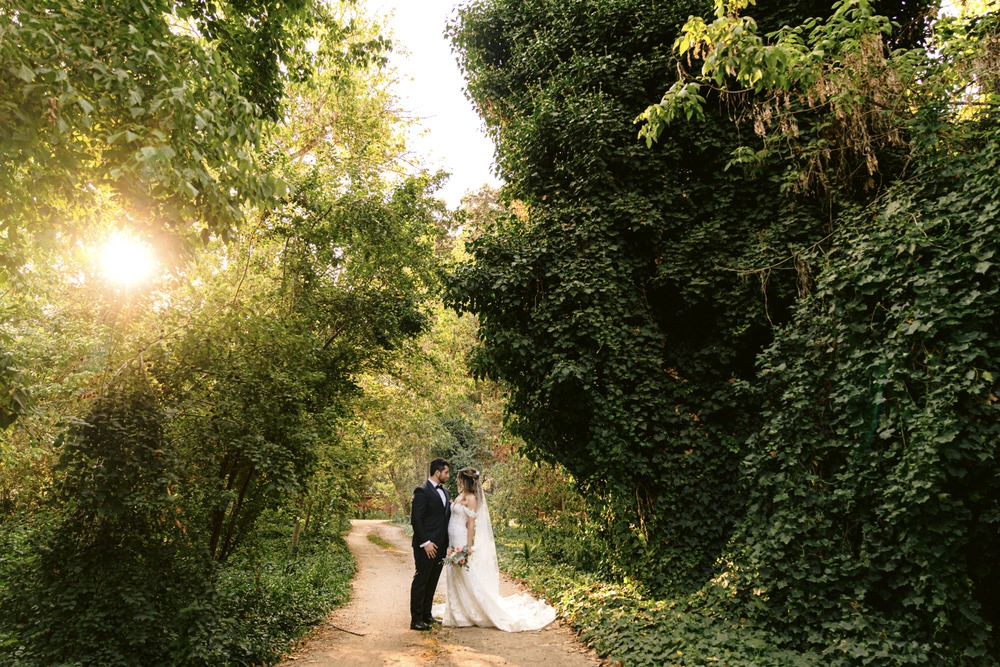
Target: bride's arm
[
  {"x": 470, "y": 527},
  {"x": 470, "y": 521}
]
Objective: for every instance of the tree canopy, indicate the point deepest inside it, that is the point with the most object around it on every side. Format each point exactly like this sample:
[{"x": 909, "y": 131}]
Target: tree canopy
[{"x": 157, "y": 430}]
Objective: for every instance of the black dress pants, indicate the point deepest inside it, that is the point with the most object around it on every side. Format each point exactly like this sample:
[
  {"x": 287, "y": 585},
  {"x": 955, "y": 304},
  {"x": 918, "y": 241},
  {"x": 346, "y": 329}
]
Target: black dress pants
[{"x": 425, "y": 580}]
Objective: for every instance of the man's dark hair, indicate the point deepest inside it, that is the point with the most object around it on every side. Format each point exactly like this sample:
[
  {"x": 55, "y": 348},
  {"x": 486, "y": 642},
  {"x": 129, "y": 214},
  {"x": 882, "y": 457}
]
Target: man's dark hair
[{"x": 439, "y": 464}]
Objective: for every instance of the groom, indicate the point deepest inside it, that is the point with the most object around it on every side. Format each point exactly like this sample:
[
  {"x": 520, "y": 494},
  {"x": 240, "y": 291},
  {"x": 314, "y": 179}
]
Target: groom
[{"x": 429, "y": 518}]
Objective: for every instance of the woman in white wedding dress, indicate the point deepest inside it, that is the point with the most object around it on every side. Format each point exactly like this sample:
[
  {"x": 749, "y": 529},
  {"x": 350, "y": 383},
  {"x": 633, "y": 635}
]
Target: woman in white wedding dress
[{"x": 473, "y": 593}]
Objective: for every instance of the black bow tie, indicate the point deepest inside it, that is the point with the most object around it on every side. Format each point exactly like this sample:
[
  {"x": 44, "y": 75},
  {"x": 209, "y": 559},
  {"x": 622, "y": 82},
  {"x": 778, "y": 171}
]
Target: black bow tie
[{"x": 439, "y": 487}]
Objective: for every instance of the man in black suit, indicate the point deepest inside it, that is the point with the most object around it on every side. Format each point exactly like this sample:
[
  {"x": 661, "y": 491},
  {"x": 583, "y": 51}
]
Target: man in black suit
[{"x": 429, "y": 518}]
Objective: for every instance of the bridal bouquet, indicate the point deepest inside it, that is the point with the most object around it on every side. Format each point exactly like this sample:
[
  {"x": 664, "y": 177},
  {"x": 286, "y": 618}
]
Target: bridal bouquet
[{"x": 458, "y": 556}]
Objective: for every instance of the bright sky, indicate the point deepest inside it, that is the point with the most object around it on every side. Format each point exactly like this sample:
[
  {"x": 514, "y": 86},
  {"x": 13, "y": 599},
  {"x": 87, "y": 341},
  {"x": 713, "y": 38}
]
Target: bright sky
[{"x": 431, "y": 89}]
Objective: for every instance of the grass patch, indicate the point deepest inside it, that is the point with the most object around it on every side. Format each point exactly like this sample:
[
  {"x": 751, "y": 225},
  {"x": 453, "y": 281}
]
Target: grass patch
[{"x": 378, "y": 540}]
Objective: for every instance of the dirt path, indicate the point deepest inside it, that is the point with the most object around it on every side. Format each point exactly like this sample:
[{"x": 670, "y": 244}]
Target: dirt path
[{"x": 379, "y": 615}]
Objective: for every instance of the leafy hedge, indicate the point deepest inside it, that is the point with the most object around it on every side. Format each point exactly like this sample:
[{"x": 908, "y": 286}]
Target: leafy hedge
[{"x": 110, "y": 577}]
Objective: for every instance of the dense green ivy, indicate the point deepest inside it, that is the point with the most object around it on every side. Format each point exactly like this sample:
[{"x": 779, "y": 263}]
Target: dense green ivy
[
  {"x": 617, "y": 312},
  {"x": 783, "y": 403},
  {"x": 874, "y": 499}
]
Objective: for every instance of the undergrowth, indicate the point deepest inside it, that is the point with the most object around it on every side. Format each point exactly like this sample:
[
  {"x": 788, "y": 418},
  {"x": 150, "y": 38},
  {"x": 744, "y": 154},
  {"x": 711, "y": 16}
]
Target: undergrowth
[
  {"x": 621, "y": 622},
  {"x": 254, "y": 607},
  {"x": 273, "y": 598}
]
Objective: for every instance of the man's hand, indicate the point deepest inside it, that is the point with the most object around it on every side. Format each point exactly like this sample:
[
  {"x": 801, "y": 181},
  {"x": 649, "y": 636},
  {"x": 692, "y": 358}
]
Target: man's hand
[{"x": 431, "y": 550}]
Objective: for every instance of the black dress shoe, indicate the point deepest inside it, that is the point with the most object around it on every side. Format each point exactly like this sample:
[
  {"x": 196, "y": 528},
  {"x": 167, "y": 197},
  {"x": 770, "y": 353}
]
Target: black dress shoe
[
  {"x": 432, "y": 621},
  {"x": 419, "y": 626}
]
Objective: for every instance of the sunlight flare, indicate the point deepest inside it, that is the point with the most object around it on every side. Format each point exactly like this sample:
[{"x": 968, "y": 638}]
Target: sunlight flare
[{"x": 126, "y": 260}]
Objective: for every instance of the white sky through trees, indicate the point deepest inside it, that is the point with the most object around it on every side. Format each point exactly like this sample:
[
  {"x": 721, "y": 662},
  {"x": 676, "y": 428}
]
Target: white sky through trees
[{"x": 431, "y": 89}]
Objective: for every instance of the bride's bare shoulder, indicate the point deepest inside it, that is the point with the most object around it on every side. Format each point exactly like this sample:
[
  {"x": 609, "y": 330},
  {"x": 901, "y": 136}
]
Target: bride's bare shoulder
[{"x": 468, "y": 501}]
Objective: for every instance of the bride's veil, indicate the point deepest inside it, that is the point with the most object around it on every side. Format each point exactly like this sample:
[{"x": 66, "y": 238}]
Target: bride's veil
[{"x": 483, "y": 564}]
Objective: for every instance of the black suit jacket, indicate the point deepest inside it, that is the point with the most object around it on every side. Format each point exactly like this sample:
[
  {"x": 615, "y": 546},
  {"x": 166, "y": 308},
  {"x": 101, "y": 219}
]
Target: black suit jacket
[{"x": 429, "y": 517}]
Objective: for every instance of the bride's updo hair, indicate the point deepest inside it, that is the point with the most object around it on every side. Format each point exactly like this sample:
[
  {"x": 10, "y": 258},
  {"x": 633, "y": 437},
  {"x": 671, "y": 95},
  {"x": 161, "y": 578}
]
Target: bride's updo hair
[{"x": 468, "y": 479}]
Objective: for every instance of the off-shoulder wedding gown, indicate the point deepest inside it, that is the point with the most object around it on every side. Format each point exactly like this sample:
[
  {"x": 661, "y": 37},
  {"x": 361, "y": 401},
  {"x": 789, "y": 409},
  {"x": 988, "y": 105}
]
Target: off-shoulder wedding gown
[{"x": 473, "y": 594}]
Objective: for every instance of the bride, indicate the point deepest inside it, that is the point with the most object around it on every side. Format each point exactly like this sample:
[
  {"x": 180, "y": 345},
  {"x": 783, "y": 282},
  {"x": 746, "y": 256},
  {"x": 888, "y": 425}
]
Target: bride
[{"x": 473, "y": 592}]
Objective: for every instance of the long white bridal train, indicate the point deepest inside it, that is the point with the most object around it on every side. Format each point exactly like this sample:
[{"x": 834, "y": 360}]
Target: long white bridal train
[{"x": 473, "y": 594}]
